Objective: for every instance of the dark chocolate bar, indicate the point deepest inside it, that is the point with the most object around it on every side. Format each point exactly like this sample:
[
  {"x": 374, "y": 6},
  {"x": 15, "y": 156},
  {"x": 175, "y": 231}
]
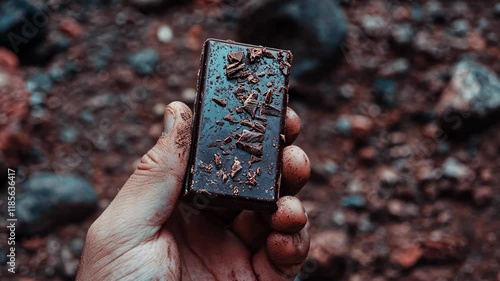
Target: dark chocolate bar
[{"x": 239, "y": 115}]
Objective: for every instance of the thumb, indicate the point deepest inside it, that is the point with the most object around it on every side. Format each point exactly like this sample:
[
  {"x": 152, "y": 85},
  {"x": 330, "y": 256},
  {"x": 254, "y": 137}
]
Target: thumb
[{"x": 148, "y": 197}]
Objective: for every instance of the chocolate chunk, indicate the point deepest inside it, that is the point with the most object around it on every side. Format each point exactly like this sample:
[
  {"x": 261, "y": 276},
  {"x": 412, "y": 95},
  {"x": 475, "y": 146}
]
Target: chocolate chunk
[
  {"x": 236, "y": 167},
  {"x": 235, "y": 57},
  {"x": 218, "y": 161},
  {"x": 246, "y": 106},
  {"x": 221, "y": 102}
]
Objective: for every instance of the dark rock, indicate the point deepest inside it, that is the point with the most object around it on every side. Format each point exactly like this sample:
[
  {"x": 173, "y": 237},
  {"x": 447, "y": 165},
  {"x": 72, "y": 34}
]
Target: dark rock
[
  {"x": 22, "y": 24},
  {"x": 395, "y": 67},
  {"x": 312, "y": 29},
  {"x": 384, "y": 91},
  {"x": 496, "y": 10},
  {"x": 435, "y": 11},
  {"x": 322, "y": 172},
  {"x": 343, "y": 125},
  {"x": 373, "y": 25},
  {"x": 144, "y": 61},
  {"x": 3, "y": 256},
  {"x": 150, "y": 5},
  {"x": 100, "y": 58},
  {"x": 68, "y": 135},
  {"x": 471, "y": 97},
  {"x": 417, "y": 13},
  {"x": 402, "y": 33},
  {"x": 329, "y": 252},
  {"x": 49, "y": 200}
]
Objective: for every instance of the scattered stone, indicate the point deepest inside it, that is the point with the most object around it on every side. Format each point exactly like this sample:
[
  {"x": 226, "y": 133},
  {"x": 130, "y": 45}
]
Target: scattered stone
[
  {"x": 68, "y": 135},
  {"x": 353, "y": 201},
  {"x": 329, "y": 251},
  {"x": 473, "y": 93},
  {"x": 164, "y": 34},
  {"x": 439, "y": 247},
  {"x": 18, "y": 31},
  {"x": 373, "y": 25},
  {"x": 388, "y": 176},
  {"x": 71, "y": 27},
  {"x": 435, "y": 11},
  {"x": 314, "y": 30},
  {"x": 401, "y": 209},
  {"x": 406, "y": 256},
  {"x": 452, "y": 168},
  {"x": 483, "y": 195},
  {"x": 367, "y": 153},
  {"x": 40, "y": 82},
  {"x": 384, "y": 91},
  {"x": 8, "y": 59},
  {"x": 402, "y": 33},
  {"x": 159, "y": 109},
  {"x": 496, "y": 10},
  {"x": 343, "y": 125},
  {"x": 362, "y": 126},
  {"x": 144, "y": 61},
  {"x": 49, "y": 200},
  {"x": 150, "y": 5},
  {"x": 322, "y": 172},
  {"x": 395, "y": 67},
  {"x": 460, "y": 27},
  {"x": 188, "y": 95}
]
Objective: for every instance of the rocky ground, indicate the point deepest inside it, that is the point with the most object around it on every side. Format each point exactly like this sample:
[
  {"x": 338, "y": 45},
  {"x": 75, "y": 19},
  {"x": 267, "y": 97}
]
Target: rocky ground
[{"x": 399, "y": 102}]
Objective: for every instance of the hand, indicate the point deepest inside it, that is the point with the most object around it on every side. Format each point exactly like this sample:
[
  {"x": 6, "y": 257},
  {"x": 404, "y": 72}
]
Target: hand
[{"x": 144, "y": 234}]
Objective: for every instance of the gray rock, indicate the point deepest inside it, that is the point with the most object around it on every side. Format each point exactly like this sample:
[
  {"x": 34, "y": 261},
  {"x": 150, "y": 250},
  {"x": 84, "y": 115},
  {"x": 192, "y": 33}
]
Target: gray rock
[
  {"x": 144, "y": 61},
  {"x": 402, "y": 33},
  {"x": 49, "y": 200},
  {"x": 343, "y": 125},
  {"x": 473, "y": 90},
  {"x": 149, "y": 5},
  {"x": 312, "y": 29},
  {"x": 384, "y": 91},
  {"x": 496, "y": 10},
  {"x": 40, "y": 82},
  {"x": 460, "y": 27},
  {"x": 435, "y": 11},
  {"x": 452, "y": 168}
]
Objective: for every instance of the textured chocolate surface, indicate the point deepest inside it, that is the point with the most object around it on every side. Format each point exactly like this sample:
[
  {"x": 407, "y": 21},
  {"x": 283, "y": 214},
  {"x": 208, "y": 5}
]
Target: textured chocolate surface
[{"x": 239, "y": 114}]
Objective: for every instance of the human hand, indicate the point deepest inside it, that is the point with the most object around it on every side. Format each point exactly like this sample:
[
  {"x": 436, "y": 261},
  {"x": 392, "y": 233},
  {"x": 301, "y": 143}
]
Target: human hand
[{"x": 144, "y": 235}]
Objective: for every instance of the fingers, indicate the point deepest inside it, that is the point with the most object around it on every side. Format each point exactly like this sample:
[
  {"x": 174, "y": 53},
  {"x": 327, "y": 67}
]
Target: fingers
[
  {"x": 292, "y": 126},
  {"x": 150, "y": 194},
  {"x": 253, "y": 227},
  {"x": 282, "y": 257},
  {"x": 296, "y": 170}
]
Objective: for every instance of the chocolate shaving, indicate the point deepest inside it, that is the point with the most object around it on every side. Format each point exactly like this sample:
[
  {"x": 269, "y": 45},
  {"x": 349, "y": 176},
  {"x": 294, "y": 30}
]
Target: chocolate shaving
[
  {"x": 270, "y": 110},
  {"x": 285, "y": 67},
  {"x": 251, "y": 177},
  {"x": 221, "y": 102},
  {"x": 235, "y": 57},
  {"x": 251, "y": 142},
  {"x": 219, "y": 173},
  {"x": 253, "y": 79},
  {"x": 260, "y": 117},
  {"x": 268, "y": 54},
  {"x": 207, "y": 168},
  {"x": 228, "y": 140},
  {"x": 224, "y": 177},
  {"x": 231, "y": 72},
  {"x": 269, "y": 96},
  {"x": 218, "y": 161},
  {"x": 253, "y": 159},
  {"x": 259, "y": 127},
  {"x": 255, "y": 53},
  {"x": 251, "y": 104},
  {"x": 236, "y": 167},
  {"x": 261, "y": 74},
  {"x": 258, "y": 171},
  {"x": 269, "y": 84},
  {"x": 230, "y": 119},
  {"x": 240, "y": 93}
]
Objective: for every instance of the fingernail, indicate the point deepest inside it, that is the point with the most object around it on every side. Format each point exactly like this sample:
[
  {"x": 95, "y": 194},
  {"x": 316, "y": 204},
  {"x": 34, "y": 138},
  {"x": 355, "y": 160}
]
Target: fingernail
[{"x": 168, "y": 122}]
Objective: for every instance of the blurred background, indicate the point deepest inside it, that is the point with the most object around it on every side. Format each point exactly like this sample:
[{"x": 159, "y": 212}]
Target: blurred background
[{"x": 399, "y": 102}]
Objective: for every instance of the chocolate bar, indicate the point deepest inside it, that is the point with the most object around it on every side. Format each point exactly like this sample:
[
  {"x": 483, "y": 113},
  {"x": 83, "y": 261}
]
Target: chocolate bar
[{"x": 239, "y": 115}]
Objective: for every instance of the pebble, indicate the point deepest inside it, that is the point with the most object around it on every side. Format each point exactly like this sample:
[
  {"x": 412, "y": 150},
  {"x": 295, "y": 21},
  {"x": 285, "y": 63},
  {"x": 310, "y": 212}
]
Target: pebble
[
  {"x": 144, "y": 62},
  {"x": 343, "y": 125},
  {"x": 452, "y": 168},
  {"x": 353, "y": 201},
  {"x": 406, "y": 256},
  {"x": 339, "y": 218},
  {"x": 373, "y": 25},
  {"x": 328, "y": 251},
  {"x": 483, "y": 195},
  {"x": 460, "y": 27},
  {"x": 71, "y": 27},
  {"x": 49, "y": 200},
  {"x": 164, "y": 34},
  {"x": 435, "y": 11},
  {"x": 40, "y": 82},
  {"x": 87, "y": 117},
  {"x": 367, "y": 153},
  {"x": 362, "y": 126},
  {"x": 8, "y": 59},
  {"x": 403, "y": 33},
  {"x": 188, "y": 95},
  {"x": 159, "y": 109},
  {"x": 68, "y": 135},
  {"x": 472, "y": 90},
  {"x": 398, "y": 66},
  {"x": 496, "y": 10},
  {"x": 319, "y": 27},
  {"x": 384, "y": 91}
]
